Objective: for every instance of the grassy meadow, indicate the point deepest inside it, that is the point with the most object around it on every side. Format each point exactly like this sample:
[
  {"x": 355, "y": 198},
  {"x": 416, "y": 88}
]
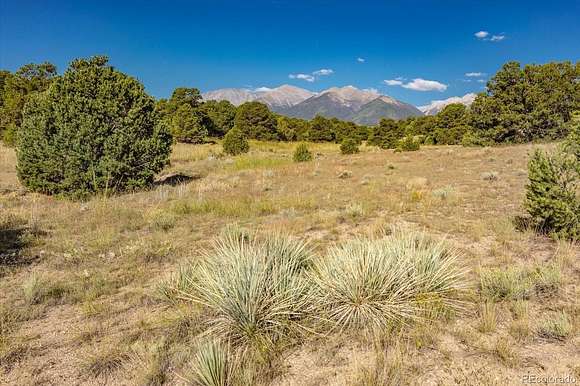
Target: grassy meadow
[{"x": 82, "y": 297}]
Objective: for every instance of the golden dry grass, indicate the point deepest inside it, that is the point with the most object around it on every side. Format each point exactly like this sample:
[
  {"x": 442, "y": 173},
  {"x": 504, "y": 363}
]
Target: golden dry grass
[{"x": 79, "y": 300}]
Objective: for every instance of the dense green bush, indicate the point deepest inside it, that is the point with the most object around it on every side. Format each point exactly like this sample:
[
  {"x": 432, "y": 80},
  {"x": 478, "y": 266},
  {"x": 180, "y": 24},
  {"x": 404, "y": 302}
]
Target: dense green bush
[
  {"x": 15, "y": 90},
  {"x": 221, "y": 114},
  {"x": 95, "y": 129},
  {"x": 386, "y": 134},
  {"x": 187, "y": 125},
  {"x": 553, "y": 191},
  {"x": 349, "y": 146},
  {"x": 235, "y": 142},
  {"x": 408, "y": 144},
  {"x": 255, "y": 121},
  {"x": 302, "y": 154},
  {"x": 527, "y": 104}
]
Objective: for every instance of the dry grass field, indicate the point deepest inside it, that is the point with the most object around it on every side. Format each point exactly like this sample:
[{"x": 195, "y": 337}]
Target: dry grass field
[{"x": 79, "y": 281}]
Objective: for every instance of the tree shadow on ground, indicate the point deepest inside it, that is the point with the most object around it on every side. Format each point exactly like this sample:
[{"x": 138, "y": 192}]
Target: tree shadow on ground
[
  {"x": 14, "y": 237},
  {"x": 175, "y": 179}
]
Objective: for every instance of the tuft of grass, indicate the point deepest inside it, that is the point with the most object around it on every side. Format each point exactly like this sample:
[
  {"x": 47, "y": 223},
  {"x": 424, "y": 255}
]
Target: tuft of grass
[
  {"x": 489, "y": 176},
  {"x": 519, "y": 283},
  {"x": 369, "y": 284},
  {"x": 252, "y": 162},
  {"x": 103, "y": 362},
  {"x": 487, "y": 317},
  {"x": 520, "y": 329},
  {"x": 38, "y": 289},
  {"x": 445, "y": 193},
  {"x": 162, "y": 220},
  {"x": 547, "y": 279},
  {"x": 520, "y": 309},
  {"x": 253, "y": 290},
  {"x": 246, "y": 207},
  {"x": 556, "y": 326},
  {"x": 150, "y": 364},
  {"x": 510, "y": 283},
  {"x": 505, "y": 351},
  {"x": 386, "y": 370}
]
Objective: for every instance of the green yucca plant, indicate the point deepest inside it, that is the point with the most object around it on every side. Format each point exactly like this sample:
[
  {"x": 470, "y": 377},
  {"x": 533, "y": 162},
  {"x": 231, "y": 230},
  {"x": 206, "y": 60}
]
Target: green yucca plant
[
  {"x": 213, "y": 365},
  {"x": 373, "y": 283},
  {"x": 253, "y": 289}
]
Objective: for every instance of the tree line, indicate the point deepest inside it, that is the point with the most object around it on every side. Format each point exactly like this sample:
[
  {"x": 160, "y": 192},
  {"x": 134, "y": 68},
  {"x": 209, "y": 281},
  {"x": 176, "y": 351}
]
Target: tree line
[{"x": 520, "y": 104}]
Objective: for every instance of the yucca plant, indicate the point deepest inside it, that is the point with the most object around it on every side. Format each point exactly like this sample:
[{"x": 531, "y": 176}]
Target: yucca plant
[
  {"x": 252, "y": 289},
  {"x": 368, "y": 284},
  {"x": 213, "y": 365}
]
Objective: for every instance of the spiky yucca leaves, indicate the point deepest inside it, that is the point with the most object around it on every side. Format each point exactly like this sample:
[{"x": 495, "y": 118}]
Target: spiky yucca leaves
[
  {"x": 371, "y": 284},
  {"x": 213, "y": 365},
  {"x": 253, "y": 289}
]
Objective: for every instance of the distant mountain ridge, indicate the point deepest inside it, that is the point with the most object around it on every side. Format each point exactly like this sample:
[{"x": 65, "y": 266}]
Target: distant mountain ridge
[
  {"x": 279, "y": 97},
  {"x": 348, "y": 103}
]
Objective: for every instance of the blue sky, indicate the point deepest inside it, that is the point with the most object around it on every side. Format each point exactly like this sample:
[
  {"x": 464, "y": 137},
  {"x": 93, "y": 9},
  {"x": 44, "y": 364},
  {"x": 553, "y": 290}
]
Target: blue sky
[{"x": 212, "y": 44}]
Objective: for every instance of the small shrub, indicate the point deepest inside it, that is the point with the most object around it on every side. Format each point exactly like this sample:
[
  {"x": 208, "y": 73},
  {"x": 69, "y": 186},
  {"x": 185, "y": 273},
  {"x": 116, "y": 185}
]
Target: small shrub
[
  {"x": 547, "y": 280},
  {"x": 349, "y": 146},
  {"x": 162, "y": 220},
  {"x": 552, "y": 193},
  {"x": 344, "y": 174},
  {"x": 235, "y": 142},
  {"x": 302, "y": 154},
  {"x": 556, "y": 326},
  {"x": 444, "y": 193},
  {"x": 505, "y": 284},
  {"x": 408, "y": 144},
  {"x": 490, "y": 176}
]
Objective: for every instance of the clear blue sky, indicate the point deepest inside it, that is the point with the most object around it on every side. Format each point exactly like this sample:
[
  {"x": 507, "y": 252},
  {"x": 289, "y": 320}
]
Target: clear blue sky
[{"x": 212, "y": 44}]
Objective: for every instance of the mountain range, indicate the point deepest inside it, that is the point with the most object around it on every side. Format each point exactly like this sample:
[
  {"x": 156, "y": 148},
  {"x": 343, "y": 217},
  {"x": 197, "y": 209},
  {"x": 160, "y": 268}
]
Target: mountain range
[
  {"x": 365, "y": 107},
  {"x": 349, "y": 103}
]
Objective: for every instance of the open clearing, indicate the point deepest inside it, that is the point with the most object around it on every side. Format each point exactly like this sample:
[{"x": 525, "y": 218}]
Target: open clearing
[{"x": 78, "y": 302}]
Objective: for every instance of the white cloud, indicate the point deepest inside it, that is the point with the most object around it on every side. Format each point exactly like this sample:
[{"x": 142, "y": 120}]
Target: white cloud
[
  {"x": 360, "y": 60},
  {"x": 262, "y": 89},
  {"x": 484, "y": 35},
  {"x": 417, "y": 84},
  {"x": 306, "y": 77},
  {"x": 313, "y": 75},
  {"x": 393, "y": 82},
  {"x": 323, "y": 72},
  {"x": 475, "y": 74}
]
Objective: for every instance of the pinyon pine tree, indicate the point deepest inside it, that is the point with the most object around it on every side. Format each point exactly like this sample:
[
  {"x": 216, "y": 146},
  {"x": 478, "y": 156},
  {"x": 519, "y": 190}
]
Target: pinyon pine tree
[
  {"x": 93, "y": 130},
  {"x": 553, "y": 191},
  {"x": 235, "y": 142}
]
